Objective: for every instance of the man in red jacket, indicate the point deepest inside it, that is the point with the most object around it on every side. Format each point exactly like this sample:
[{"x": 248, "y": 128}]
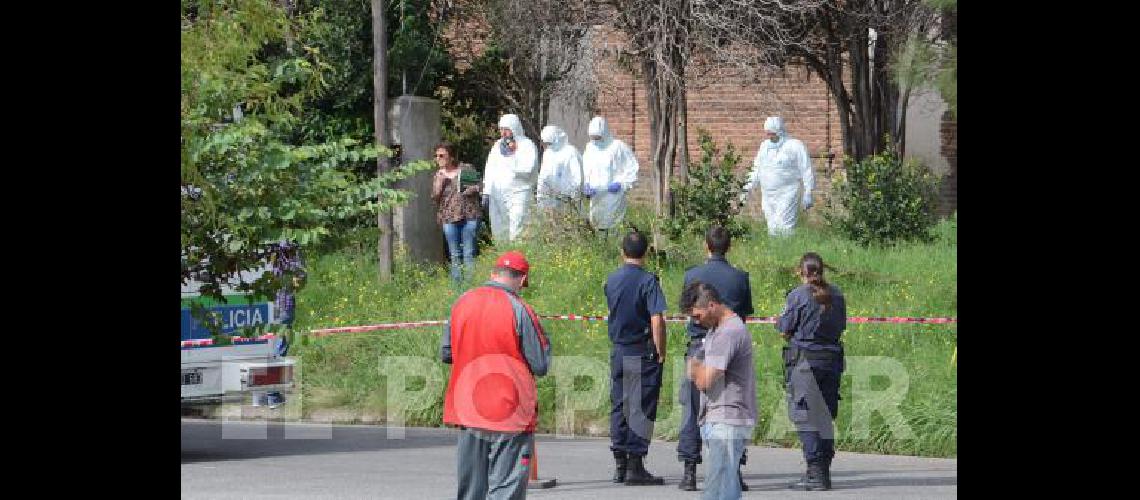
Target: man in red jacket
[{"x": 496, "y": 346}]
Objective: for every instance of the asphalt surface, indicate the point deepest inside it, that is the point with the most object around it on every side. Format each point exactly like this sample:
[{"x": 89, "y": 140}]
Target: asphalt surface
[{"x": 243, "y": 459}]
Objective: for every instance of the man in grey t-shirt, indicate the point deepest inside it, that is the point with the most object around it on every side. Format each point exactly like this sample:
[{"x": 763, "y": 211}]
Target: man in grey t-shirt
[{"x": 727, "y": 380}]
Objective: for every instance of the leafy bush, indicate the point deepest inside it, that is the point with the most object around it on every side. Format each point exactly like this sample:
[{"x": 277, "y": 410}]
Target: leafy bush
[
  {"x": 253, "y": 178},
  {"x": 710, "y": 195},
  {"x": 884, "y": 200}
]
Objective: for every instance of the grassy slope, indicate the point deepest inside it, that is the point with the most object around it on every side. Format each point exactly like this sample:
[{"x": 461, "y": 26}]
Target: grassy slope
[{"x": 346, "y": 372}]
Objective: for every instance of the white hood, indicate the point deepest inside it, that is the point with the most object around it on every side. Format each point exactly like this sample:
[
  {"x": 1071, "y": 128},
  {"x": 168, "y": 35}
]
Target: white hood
[
  {"x": 598, "y": 126},
  {"x": 775, "y": 124},
  {"x": 512, "y": 122},
  {"x": 554, "y": 135}
]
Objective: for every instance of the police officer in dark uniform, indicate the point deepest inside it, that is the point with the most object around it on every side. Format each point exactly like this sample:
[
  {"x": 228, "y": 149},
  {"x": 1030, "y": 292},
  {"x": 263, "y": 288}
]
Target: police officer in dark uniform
[
  {"x": 736, "y": 293},
  {"x": 637, "y": 330},
  {"x": 814, "y": 317}
]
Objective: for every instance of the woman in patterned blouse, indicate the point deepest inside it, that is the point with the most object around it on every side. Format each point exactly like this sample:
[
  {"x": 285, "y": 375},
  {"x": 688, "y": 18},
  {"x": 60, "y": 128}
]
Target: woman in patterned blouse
[{"x": 458, "y": 207}]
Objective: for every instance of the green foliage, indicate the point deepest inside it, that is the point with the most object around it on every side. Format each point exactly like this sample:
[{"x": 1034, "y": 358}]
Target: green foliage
[
  {"x": 883, "y": 200},
  {"x": 248, "y": 182},
  {"x": 415, "y": 50},
  {"x": 932, "y": 63},
  {"x": 472, "y": 105},
  {"x": 710, "y": 194},
  {"x": 342, "y": 34},
  {"x": 471, "y": 130}
]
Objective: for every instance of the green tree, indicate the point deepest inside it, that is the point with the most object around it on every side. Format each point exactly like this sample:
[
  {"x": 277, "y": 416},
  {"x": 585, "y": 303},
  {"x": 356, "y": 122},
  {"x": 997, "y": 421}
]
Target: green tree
[
  {"x": 850, "y": 45},
  {"x": 883, "y": 200},
  {"x": 710, "y": 195},
  {"x": 341, "y": 31},
  {"x": 248, "y": 178},
  {"x": 930, "y": 57}
]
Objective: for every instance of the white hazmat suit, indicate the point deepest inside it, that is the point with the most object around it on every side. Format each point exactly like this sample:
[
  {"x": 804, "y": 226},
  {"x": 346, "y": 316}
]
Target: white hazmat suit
[
  {"x": 779, "y": 169},
  {"x": 508, "y": 182},
  {"x": 560, "y": 176},
  {"x": 606, "y": 164}
]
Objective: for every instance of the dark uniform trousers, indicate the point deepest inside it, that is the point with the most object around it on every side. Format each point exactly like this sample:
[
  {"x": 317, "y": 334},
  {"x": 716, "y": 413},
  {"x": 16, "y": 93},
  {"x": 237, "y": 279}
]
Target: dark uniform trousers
[
  {"x": 635, "y": 385},
  {"x": 812, "y": 379}
]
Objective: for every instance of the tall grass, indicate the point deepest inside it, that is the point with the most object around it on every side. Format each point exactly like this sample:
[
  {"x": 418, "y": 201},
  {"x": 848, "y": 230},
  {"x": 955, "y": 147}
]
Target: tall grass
[{"x": 346, "y": 371}]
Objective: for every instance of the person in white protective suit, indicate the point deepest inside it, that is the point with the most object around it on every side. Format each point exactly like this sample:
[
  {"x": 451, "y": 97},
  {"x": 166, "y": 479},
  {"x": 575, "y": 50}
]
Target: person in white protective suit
[
  {"x": 560, "y": 175},
  {"x": 610, "y": 169},
  {"x": 781, "y": 165},
  {"x": 508, "y": 180}
]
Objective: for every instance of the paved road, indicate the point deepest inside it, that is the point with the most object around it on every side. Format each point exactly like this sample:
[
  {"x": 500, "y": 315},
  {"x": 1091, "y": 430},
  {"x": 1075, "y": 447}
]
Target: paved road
[{"x": 296, "y": 460}]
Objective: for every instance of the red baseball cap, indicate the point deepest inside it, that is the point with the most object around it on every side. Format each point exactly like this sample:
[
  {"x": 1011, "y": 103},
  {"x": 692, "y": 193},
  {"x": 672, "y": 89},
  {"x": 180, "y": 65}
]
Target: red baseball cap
[{"x": 514, "y": 260}]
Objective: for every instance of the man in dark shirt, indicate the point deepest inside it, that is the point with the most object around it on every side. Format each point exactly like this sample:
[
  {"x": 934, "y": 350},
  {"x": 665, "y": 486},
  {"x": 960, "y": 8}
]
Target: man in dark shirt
[
  {"x": 636, "y": 304},
  {"x": 736, "y": 293}
]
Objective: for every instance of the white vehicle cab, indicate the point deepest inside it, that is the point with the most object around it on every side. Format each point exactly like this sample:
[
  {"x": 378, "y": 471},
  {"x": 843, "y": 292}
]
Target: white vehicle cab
[{"x": 228, "y": 372}]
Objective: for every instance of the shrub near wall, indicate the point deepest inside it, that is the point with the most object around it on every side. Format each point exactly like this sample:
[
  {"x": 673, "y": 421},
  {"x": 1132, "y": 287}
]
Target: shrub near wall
[
  {"x": 883, "y": 200},
  {"x": 710, "y": 194}
]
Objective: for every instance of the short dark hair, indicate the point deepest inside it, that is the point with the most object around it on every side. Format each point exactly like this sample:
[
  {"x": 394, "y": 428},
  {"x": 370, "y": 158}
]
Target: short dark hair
[
  {"x": 698, "y": 293},
  {"x": 634, "y": 245},
  {"x": 508, "y": 272},
  {"x": 718, "y": 240},
  {"x": 449, "y": 147}
]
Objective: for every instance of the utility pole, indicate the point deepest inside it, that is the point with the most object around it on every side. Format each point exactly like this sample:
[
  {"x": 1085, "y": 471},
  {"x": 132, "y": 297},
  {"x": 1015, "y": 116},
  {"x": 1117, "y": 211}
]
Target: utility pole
[{"x": 380, "y": 119}]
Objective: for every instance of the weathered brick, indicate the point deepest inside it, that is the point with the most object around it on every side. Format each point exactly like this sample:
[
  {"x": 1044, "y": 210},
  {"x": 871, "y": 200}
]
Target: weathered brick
[{"x": 731, "y": 107}]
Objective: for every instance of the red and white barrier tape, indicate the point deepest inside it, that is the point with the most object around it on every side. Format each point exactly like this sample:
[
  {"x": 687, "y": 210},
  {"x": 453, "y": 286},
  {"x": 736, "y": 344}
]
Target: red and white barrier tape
[
  {"x": 574, "y": 317},
  {"x": 368, "y": 328},
  {"x": 772, "y": 319},
  {"x": 235, "y": 340}
]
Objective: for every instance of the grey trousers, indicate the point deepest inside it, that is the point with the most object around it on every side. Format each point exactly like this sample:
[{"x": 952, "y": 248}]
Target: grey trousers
[{"x": 493, "y": 465}]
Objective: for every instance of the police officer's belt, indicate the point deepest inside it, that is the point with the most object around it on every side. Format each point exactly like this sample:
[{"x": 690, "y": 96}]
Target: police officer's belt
[{"x": 792, "y": 352}]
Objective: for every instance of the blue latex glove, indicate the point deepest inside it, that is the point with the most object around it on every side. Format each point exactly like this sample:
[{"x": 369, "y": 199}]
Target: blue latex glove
[
  {"x": 614, "y": 187},
  {"x": 588, "y": 191}
]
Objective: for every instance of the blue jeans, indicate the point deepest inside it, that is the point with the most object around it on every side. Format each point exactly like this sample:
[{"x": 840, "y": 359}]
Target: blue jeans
[
  {"x": 461, "y": 234},
  {"x": 725, "y": 445}
]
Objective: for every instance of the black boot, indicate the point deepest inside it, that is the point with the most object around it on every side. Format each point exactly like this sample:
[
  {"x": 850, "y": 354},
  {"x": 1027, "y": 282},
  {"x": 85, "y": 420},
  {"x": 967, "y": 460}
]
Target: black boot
[
  {"x": 621, "y": 461},
  {"x": 812, "y": 479},
  {"x": 825, "y": 478},
  {"x": 689, "y": 480},
  {"x": 740, "y": 475},
  {"x": 638, "y": 476}
]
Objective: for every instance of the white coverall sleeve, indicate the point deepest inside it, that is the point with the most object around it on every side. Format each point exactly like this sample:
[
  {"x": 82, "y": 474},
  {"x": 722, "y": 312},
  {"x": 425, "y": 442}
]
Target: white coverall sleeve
[
  {"x": 545, "y": 170},
  {"x": 526, "y": 156},
  {"x": 587, "y": 170},
  {"x": 489, "y": 169},
  {"x": 807, "y": 173},
  {"x": 627, "y": 171},
  {"x": 575, "y": 174},
  {"x": 754, "y": 174}
]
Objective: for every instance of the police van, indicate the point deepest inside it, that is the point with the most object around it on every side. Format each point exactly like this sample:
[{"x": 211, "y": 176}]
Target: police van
[{"x": 241, "y": 369}]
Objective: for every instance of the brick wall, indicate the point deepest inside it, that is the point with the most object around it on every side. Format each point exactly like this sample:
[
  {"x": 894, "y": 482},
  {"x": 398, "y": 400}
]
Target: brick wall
[{"x": 730, "y": 107}]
